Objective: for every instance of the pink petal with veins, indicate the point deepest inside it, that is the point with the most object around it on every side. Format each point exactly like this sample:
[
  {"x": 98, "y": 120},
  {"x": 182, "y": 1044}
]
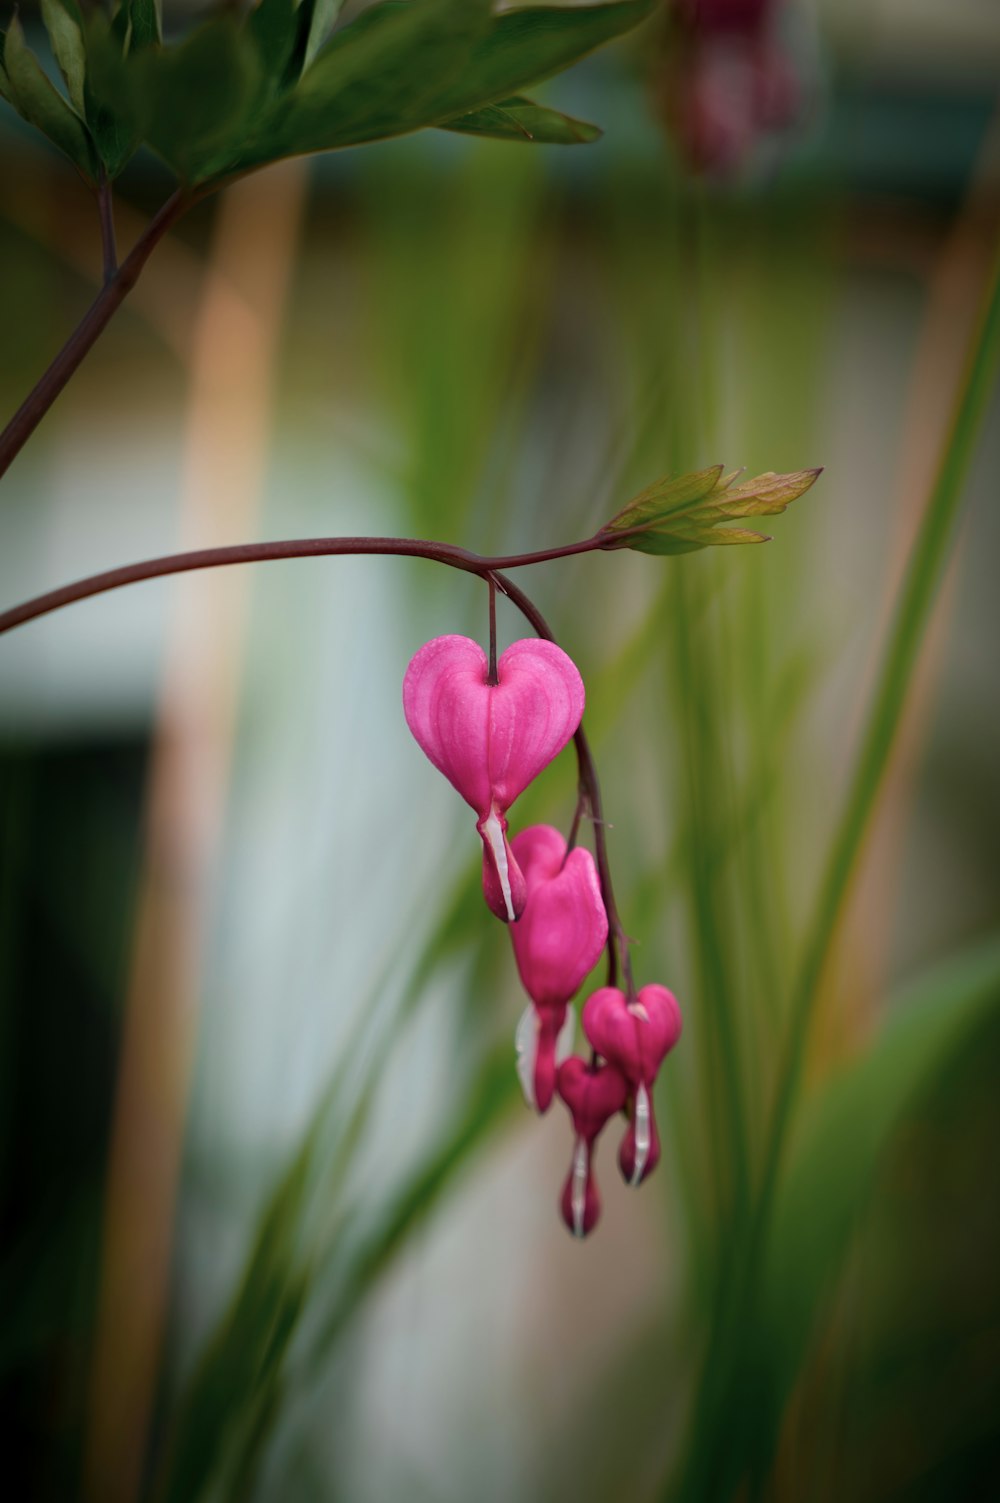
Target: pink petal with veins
[
  {"x": 564, "y": 927},
  {"x": 491, "y": 740},
  {"x": 635, "y": 1037}
]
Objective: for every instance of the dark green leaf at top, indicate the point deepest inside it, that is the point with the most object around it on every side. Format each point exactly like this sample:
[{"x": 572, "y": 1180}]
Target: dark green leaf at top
[
  {"x": 63, "y": 26},
  {"x": 519, "y": 119},
  {"x": 524, "y": 46},
  {"x": 37, "y": 101},
  {"x": 114, "y": 115},
  {"x": 197, "y": 98},
  {"x": 146, "y": 29},
  {"x": 380, "y": 76}
]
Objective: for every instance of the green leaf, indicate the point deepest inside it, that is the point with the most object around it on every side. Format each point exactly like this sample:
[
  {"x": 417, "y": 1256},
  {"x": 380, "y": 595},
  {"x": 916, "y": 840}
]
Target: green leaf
[
  {"x": 524, "y": 46},
  {"x": 114, "y": 112},
  {"x": 67, "y": 48},
  {"x": 380, "y": 76},
  {"x": 518, "y": 119},
  {"x": 841, "y": 1143},
  {"x": 679, "y": 516},
  {"x": 198, "y": 97},
  {"x": 288, "y": 36},
  {"x": 274, "y": 27},
  {"x": 34, "y": 97},
  {"x": 321, "y": 16},
  {"x": 145, "y": 27}
]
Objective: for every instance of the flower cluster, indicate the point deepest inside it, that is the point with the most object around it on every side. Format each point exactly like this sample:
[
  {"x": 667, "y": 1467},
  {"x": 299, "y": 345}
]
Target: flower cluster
[
  {"x": 491, "y": 734},
  {"x": 730, "y": 81}
]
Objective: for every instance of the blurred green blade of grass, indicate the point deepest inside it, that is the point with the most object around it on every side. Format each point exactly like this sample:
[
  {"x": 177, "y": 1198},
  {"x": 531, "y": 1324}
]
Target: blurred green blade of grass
[
  {"x": 223, "y": 1421},
  {"x": 722, "y": 1392},
  {"x": 923, "y": 575},
  {"x": 821, "y": 1197},
  {"x": 838, "y": 1147}
]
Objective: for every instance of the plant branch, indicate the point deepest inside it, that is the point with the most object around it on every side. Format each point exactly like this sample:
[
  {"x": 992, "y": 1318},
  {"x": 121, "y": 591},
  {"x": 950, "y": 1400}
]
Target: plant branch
[
  {"x": 442, "y": 553},
  {"x": 255, "y": 553},
  {"x": 109, "y": 247},
  {"x": 116, "y": 288}
]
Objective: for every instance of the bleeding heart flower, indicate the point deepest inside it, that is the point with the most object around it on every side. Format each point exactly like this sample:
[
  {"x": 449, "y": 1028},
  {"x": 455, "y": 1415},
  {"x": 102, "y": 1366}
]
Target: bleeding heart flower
[
  {"x": 557, "y": 940},
  {"x": 593, "y": 1097},
  {"x": 635, "y": 1037},
  {"x": 639, "y": 1150},
  {"x": 491, "y": 740}
]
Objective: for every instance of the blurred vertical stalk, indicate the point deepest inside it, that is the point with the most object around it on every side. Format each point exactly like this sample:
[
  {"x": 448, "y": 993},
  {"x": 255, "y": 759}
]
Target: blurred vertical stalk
[
  {"x": 238, "y": 326},
  {"x": 958, "y": 275},
  {"x": 711, "y": 1470},
  {"x": 919, "y": 587}
]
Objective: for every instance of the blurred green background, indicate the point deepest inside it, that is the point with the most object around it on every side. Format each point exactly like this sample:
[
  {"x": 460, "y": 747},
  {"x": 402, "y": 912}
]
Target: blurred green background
[{"x": 275, "y": 1223}]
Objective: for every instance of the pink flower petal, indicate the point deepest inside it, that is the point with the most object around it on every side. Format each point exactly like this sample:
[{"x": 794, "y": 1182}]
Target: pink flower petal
[
  {"x": 636, "y": 1037},
  {"x": 446, "y": 701},
  {"x": 536, "y": 708},
  {"x": 564, "y": 927}
]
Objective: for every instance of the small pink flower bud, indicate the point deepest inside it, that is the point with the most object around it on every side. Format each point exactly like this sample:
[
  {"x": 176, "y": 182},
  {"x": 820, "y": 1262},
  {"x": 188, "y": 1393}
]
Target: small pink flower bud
[
  {"x": 639, "y": 1150},
  {"x": 593, "y": 1097},
  {"x": 491, "y": 740},
  {"x": 557, "y": 940},
  {"x": 580, "y": 1202},
  {"x": 564, "y": 927},
  {"x": 636, "y": 1037}
]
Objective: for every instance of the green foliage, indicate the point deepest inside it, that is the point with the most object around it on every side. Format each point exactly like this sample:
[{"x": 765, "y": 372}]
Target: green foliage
[
  {"x": 844, "y": 1134},
  {"x": 245, "y": 89},
  {"x": 518, "y": 119},
  {"x": 680, "y": 516},
  {"x": 27, "y": 88}
]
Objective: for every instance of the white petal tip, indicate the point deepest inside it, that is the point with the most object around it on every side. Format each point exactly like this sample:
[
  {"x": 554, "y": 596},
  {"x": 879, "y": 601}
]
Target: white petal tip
[{"x": 526, "y": 1048}]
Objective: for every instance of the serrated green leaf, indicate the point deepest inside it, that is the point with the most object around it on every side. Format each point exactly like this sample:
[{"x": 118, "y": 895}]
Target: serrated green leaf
[
  {"x": 520, "y": 119},
  {"x": 378, "y": 77},
  {"x": 665, "y": 497},
  {"x": 198, "y": 97},
  {"x": 679, "y": 516},
  {"x": 524, "y": 46},
  {"x": 34, "y": 98},
  {"x": 67, "y": 48}
]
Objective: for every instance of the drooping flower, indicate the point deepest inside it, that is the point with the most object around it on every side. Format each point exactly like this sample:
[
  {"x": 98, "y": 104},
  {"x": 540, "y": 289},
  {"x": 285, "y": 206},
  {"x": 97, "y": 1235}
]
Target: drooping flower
[
  {"x": 491, "y": 740},
  {"x": 729, "y": 80},
  {"x": 635, "y": 1036},
  {"x": 594, "y": 1094},
  {"x": 557, "y": 941}
]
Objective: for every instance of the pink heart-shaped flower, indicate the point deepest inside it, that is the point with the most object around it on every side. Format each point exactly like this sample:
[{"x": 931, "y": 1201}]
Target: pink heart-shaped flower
[
  {"x": 635, "y": 1037},
  {"x": 593, "y": 1096},
  {"x": 564, "y": 927},
  {"x": 491, "y": 740}
]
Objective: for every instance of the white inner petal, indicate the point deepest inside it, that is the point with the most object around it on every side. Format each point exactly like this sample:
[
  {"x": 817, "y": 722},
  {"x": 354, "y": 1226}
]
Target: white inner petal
[
  {"x": 564, "y": 1043},
  {"x": 493, "y": 831},
  {"x": 578, "y": 1194},
  {"x": 526, "y": 1045},
  {"x": 642, "y": 1134}
]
